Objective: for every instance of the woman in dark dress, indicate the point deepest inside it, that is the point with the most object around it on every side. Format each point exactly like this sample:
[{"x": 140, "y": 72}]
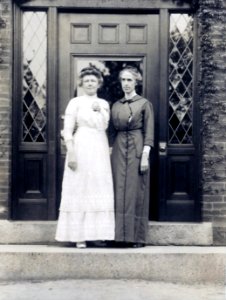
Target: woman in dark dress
[{"x": 133, "y": 125}]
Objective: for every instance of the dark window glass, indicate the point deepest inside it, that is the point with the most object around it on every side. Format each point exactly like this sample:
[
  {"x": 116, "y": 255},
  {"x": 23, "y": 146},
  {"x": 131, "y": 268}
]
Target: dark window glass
[
  {"x": 34, "y": 77},
  {"x": 180, "y": 79}
]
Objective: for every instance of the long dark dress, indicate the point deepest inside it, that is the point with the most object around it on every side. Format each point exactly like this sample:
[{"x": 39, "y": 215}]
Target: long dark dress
[{"x": 133, "y": 123}]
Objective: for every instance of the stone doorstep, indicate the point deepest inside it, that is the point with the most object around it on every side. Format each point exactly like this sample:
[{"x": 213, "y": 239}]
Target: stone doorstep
[
  {"x": 186, "y": 234},
  {"x": 175, "y": 264},
  {"x": 160, "y": 233},
  {"x": 219, "y": 234}
]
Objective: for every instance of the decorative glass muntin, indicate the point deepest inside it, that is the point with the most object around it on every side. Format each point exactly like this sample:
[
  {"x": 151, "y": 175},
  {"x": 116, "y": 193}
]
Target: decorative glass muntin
[
  {"x": 181, "y": 37},
  {"x": 34, "y": 49}
]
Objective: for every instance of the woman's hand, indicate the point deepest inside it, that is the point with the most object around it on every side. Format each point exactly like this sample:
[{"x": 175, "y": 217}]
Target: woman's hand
[
  {"x": 144, "y": 163},
  {"x": 72, "y": 164},
  {"x": 96, "y": 106}
]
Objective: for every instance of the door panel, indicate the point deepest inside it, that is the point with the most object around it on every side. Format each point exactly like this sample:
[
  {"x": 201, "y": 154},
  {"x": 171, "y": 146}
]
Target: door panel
[
  {"x": 180, "y": 193},
  {"x": 178, "y": 179},
  {"x": 110, "y": 37},
  {"x": 32, "y": 198},
  {"x": 109, "y": 42}
]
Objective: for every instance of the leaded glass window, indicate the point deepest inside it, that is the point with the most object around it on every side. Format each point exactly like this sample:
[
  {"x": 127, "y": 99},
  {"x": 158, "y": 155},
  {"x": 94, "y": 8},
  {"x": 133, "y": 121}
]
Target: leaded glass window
[
  {"x": 34, "y": 49},
  {"x": 180, "y": 79}
]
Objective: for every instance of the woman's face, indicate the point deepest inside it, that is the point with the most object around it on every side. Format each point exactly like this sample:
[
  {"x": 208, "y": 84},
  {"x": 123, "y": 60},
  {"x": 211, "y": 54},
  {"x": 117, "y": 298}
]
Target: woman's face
[
  {"x": 128, "y": 82},
  {"x": 90, "y": 84}
]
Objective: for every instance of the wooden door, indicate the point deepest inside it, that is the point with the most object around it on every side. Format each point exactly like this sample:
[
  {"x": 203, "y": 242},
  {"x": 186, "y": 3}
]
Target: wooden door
[
  {"x": 162, "y": 46},
  {"x": 108, "y": 41}
]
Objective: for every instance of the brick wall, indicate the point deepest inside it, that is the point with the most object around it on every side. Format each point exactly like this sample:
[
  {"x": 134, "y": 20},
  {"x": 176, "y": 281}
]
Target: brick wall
[
  {"x": 213, "y": 107},
  {"x": 5, "y": 104}
]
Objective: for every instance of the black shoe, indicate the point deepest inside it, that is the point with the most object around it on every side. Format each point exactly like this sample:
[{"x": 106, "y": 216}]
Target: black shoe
[
  {"x": 100, "y": 244},
  {"x": 138, "y": 245},
  {"x": 123, "y": 244}
]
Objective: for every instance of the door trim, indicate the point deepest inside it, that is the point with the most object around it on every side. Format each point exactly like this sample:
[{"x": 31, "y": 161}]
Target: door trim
[
  {"x": 103, "y": 4},
  {"x": 53, "y": 131}
]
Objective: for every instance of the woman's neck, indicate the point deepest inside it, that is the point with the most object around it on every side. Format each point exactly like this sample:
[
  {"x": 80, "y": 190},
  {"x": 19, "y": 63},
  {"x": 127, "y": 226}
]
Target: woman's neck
[
  {"x": 130, "y": 95},
  {"x": 91, "y": 96}
]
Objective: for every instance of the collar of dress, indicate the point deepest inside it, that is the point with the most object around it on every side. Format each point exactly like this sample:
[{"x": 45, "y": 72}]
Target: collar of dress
[{"x": 133, "y": 99}]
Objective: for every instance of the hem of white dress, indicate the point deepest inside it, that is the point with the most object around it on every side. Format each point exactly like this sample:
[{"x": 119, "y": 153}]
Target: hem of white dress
[{"x": 89, "y": 239}]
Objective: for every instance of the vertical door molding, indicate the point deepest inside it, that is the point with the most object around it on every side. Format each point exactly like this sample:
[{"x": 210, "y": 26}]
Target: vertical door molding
[
  {"x": 15, "y": 106},
  {"x": 163, "y": 110},
  {"x": 197, "y": 123},
  {"x": 52, "y": 111}
]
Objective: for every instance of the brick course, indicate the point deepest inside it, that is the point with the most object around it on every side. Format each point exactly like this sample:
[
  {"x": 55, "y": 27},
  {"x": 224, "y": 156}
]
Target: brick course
[
  {"x": 214, "y": 119},
  {"x": 5, "y": 105}
]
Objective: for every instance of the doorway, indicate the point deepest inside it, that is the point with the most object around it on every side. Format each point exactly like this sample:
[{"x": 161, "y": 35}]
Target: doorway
[
  {"x": 161, "y": 44},
  {"x": 109, "y": 42}
]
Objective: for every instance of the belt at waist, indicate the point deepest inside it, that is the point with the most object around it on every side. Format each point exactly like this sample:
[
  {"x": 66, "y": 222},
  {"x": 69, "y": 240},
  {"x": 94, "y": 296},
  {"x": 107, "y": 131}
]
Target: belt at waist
[
  {"x": 130, "y": 130},
  {"x": 90, "y": 128}
]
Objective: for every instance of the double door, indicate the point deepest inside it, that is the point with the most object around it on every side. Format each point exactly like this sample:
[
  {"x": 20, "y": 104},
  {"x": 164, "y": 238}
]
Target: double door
[{"x": 110, "y": 42}]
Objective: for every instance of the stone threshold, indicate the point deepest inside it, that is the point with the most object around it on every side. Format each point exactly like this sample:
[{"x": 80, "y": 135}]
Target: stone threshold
[{"x": 159, "y": 233}]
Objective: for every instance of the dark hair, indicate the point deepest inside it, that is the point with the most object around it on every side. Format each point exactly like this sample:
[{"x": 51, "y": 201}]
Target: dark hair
[
  {"x": 90, "y": 71},
  {"x": 134, "y": 71}
]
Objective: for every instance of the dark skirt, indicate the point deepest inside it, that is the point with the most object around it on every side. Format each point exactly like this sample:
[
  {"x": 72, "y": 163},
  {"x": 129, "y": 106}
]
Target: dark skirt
[{"x": 131, "y": 189}]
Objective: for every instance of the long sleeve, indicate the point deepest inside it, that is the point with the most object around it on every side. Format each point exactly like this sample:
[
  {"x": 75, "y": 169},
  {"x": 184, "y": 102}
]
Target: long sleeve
[
  {"x": 69, "y": 123},
  {"x": 111, "y": 133},
  {"x": 105, "y": 112},
  {"x": 148, "y": 124}
]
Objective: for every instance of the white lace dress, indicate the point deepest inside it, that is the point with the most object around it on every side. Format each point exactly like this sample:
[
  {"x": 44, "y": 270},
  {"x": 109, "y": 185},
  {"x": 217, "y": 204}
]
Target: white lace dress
[{"x": 87, "y": 203}]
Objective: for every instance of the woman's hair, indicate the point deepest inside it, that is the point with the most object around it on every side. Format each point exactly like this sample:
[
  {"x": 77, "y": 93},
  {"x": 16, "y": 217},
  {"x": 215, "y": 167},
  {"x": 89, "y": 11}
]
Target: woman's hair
[
  {"x": 90, "y": 71},
  {"x": 134, "y": 71}
]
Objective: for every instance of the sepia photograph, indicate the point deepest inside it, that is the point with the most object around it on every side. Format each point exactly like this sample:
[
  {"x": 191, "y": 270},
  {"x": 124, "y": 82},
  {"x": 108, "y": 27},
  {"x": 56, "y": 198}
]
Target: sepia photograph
[{"x": 112, "y": 149}]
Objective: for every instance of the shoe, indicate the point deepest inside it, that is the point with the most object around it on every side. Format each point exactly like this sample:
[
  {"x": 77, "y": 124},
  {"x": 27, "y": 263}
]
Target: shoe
[
  {"x": 100, "y": 243},
  {"x": 138, "y": 245},
  {"x": 123, "y": 244},
  {"x": 81, "y": 245}
]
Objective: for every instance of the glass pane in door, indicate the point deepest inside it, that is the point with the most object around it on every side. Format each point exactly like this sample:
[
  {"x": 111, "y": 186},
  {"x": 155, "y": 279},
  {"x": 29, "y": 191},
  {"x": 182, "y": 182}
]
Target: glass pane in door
[
  {"x": 34, "y": 49},
  {"x": 180, "y": 79}
]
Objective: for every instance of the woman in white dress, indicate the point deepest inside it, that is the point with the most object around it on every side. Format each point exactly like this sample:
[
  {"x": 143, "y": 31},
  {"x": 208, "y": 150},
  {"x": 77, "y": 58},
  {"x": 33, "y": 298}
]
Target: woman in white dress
[{"x": 87, "y": 202}]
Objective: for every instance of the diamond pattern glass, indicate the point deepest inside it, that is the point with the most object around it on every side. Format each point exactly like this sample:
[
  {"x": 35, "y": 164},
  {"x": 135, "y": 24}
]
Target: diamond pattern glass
[
  {"x": 34, "y": 76},
  {"x": 180, "y": 79}
]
